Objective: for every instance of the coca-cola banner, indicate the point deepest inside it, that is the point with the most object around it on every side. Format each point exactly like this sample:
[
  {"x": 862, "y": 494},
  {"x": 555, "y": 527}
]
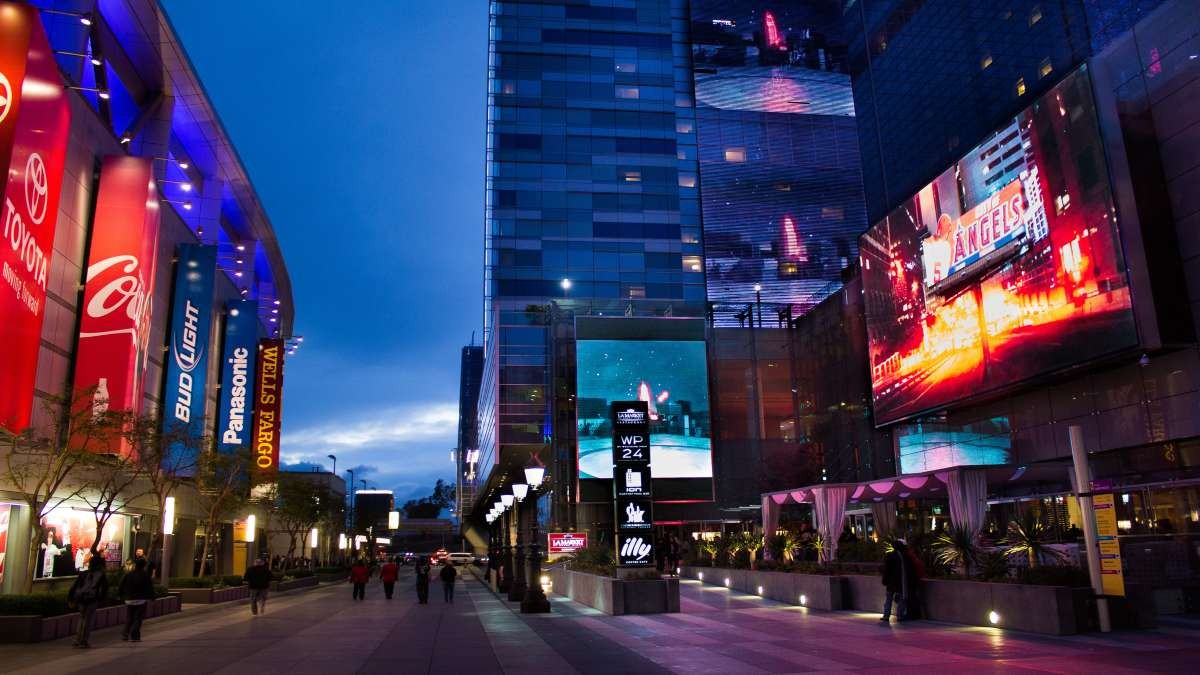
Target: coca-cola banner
[
  {"x": 237, "y": 376},
  {"x": 34, "y": 124},
  {"x": 187, "y": 357},
  {"x": 114, "y": 327},
  {"x": 268, "y": 407}
]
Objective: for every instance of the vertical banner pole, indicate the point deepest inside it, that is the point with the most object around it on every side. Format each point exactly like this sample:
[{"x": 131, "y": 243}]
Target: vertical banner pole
[{"x": 1083, "y": 487}]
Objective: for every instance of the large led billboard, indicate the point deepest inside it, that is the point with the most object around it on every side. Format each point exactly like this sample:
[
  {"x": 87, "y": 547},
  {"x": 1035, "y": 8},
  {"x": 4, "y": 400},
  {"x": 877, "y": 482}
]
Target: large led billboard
[
  {"x": 671, "y": 375},
  {"x": 1007, "y": 266}
]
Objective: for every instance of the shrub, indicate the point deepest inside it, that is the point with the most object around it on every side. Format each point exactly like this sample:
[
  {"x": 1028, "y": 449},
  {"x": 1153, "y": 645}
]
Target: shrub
[
  {"x": 300, "y": 573},
  {"x": 231, "y": 580},
  {"x": 993, "y": 566},
  {"x": 192, "y": 582},
  {"x": 332, "y": 570},
  {"x": 861, "y": 551},
  {"x": 957, "y": 547},
  {"x": 594, "y": 559},
  {"x": 34, "y": 604}
]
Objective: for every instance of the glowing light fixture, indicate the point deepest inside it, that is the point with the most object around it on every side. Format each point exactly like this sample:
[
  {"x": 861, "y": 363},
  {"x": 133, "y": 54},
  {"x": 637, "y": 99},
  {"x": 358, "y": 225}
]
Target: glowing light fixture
[
  {"x": 760, "y": 590},
  {"x": 993, "y": 617},
  {"x": 726, "y": 582},
  {"x": 393, "y": 520},
  {"x": 534, "y": 475},
  {"x": 169, "y": 516},
  {"x": 520, "y": 490},
  {"x": 566, "y": 284},
  {"x": 312, "y": 538},
  {"x": 508, "y": 500},
  {"x": 251, "y": 526},
  {"x": 342, "y": 541},
  {"x": 803, "y": 600}
]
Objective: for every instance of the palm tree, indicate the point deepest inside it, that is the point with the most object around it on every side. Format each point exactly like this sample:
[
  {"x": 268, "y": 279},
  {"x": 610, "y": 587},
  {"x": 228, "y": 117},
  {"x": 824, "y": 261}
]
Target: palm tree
[
  {"x": 1028, "y": 536},
  {"x": 735, "y": 543},
  {"x": 710, "y": 547},
  {"x": 957, "y": 546}
]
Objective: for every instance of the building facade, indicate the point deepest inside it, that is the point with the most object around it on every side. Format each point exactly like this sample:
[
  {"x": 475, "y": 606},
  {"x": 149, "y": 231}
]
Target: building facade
[
  {"x": 467, "y": 450},
  {"x": 137, "y": 182}
]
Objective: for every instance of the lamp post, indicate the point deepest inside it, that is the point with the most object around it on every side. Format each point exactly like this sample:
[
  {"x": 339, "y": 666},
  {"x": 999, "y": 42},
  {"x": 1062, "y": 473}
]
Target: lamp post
[
  {"x": 758, "y": 303},
  {"x": 334, "y": 458},
  {"x": 516, "y": 591},
  {"x": 168, "y": 529},
  {"x": 535, "y": 601},
  {"x": 350, "y": 491},
  {"x": 505, "y": 549}
]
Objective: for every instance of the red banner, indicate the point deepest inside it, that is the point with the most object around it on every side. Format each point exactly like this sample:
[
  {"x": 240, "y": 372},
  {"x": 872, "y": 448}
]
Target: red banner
[
  {"x": 114, "y": 327},
  {"x": 268, "y": 407},
  {"x": 35, "y": 121},
  {"x": 566, "y": 542}
]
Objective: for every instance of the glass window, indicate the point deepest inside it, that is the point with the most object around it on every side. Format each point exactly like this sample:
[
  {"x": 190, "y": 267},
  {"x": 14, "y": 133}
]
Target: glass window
[{"x": 735, "y": 154}]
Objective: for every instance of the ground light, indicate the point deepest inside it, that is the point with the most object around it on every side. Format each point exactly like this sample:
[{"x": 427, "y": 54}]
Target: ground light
[
  {"x": 993, "y": 617},
  {"x": 803, "y": 600},
  {"x": 760, "y": 590},
  {"x": 726, "y": 581},
  {"x": 545, "y": 580},
  {"x": 700, "y": 576}
]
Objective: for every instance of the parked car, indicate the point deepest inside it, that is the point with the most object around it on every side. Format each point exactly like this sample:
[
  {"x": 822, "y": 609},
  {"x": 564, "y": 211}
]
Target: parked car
[{"x": 461, "y": 558}]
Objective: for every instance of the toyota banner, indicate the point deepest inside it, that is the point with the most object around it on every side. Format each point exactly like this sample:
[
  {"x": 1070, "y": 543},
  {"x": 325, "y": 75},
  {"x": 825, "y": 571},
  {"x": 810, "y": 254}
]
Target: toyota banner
[
  {"x": 237, "y": 376},
  {"x": 187, "y": 356},
  {"x": 34, "y": 124}
]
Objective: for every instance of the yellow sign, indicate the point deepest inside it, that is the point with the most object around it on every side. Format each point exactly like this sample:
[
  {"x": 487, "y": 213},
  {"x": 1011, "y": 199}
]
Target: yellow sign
[{"x": 1111, "y": 574}]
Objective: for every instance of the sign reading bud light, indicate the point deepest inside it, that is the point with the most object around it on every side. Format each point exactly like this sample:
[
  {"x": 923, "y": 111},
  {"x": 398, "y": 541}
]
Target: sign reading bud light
[
  {"x": 268, "y": 408},
  {"x": 114, "y": 326},
  {"x": 632, "y": 489},
  {"x": 566, "y": 542},
  {"x": 237, "y": 376},
  {"x": 34, "y": 123},
  {"x": 187, "y": 354}
]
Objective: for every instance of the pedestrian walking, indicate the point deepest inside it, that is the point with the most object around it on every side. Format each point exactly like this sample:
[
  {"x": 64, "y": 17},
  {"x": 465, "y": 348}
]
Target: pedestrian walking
[
  {"x": 360, "y": 574},
  {"x": 388, "y": 574},
  {"x": 447, "y": 575},
  {"x": 672, "y": 554},
  {"x": 137, "y": 590},
  {"x": 423, "y": 580},
  {"x": 899, "y": 577},
  {"x": 89, "y": 590},
  {"x": 258, "y": 578}
]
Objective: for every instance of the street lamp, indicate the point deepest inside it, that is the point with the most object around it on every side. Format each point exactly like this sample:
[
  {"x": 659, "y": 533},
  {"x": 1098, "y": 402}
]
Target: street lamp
[
  {"x": 534, "y": 474},
  {"x": 507, "y": 500},
  {"x": 520, "y": 490},
  {"x": 334, "y": 458},
  {"x": 168, "y": 528},
  {"x": 758, "y": 303}
]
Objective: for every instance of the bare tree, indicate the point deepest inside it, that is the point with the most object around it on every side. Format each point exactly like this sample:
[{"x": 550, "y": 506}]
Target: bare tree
[
  {"x": 163, "y": 469},
  {"x": 113, "y": 481},
  {"x": 44, "y": 466},
  {"x": 221, "y": 484},
  {"x": 301, "y": 505}
]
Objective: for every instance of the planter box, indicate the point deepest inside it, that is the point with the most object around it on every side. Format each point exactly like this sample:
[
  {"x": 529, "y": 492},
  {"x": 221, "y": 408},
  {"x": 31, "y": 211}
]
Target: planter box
[
  {"x": 24, "y": 629},
  {"x": 209, "y": 596},
  {"x": 332, "y": 577},
  {"x": 293, "y": 584},
  {"x": 816, "y": 591},
  {"x": 617, "y": 596}
]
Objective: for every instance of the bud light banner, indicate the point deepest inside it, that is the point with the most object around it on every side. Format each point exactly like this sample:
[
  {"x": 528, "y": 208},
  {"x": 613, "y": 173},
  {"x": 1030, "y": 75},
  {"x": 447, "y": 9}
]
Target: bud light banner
[
  {"x": 187, "y": 357},
  {"x": 114, "y": 326},
  {"x": 268, "y": 408},
  {"x": 34, "y": 123},
  {"x": 237, "y": 376}
]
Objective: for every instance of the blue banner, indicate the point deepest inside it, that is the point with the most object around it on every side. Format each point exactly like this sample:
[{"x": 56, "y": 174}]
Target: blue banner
[
  {"x": 237, "y": 376},
  {"x": 187, "y": 359}
]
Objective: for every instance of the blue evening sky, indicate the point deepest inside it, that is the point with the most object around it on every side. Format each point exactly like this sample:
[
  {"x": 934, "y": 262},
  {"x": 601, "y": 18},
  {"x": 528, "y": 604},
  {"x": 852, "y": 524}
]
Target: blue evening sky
[{"x": 362, "y": 126}]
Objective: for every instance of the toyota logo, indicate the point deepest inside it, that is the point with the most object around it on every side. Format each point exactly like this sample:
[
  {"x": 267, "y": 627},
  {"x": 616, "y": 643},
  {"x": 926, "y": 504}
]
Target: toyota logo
[
  {"x": 37, "y": 188},
  {"x": 5, "y": 97}
]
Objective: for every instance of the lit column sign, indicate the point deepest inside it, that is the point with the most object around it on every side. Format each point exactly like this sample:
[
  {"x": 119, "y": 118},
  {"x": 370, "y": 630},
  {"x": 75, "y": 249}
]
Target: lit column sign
[
  {"x": 34, "y": 123},
  {"x": 268, "y": 407},
  {"x": 237, "y": 376},
  {"x": 631, "y": 484},
  {"x": 187, "y": 360}
]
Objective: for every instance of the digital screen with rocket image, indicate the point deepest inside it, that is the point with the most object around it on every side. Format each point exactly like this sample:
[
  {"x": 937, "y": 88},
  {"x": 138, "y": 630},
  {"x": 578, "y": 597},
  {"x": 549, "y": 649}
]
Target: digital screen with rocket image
[{"x": 672, "y": 377}]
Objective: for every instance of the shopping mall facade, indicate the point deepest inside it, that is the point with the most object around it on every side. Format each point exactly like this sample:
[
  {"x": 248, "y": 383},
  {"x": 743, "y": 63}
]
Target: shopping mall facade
[{"x": 140, "y": 267}]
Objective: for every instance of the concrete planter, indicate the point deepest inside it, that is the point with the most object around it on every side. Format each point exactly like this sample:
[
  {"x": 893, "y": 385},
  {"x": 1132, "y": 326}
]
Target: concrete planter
[
  {"x": 332, "y": 577},
  {"x": 210, "y": 596},
  {"x": 293, "y": 584},
  {"x": 617, "y": 596},
  {"x": 816, "y": 591},
  {"x": 25, "y": 629}
]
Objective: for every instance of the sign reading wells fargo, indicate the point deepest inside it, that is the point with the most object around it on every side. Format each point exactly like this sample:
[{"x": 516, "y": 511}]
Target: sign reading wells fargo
[{"x": 268, "y": 407}]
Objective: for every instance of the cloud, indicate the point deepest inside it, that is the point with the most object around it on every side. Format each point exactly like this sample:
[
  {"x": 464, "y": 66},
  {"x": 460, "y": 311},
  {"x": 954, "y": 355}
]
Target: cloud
[{"x": 384, "y": 427}]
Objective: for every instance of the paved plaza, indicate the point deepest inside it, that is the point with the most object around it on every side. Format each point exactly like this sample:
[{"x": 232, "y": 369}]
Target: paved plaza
[{"x": 718, "y": 631}]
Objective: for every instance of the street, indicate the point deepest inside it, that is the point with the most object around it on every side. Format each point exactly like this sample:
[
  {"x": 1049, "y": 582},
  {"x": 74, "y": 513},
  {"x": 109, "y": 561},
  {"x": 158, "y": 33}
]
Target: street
[{"x": 718, "y": 631}]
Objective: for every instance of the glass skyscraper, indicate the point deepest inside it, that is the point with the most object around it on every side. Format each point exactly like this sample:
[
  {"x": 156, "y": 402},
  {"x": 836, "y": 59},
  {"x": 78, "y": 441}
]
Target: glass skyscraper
[{"x": 592, "y": 192}]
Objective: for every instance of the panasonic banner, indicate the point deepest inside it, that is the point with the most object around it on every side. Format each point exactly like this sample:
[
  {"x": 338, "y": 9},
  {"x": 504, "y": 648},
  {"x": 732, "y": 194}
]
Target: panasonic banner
[
  {"x": 237, "y": 376},
  {"x": 187, "y": 359}
]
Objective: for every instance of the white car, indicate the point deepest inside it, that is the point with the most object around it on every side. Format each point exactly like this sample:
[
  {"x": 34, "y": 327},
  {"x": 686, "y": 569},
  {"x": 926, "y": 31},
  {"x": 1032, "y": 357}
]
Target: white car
[{"x": 460, "y": 558}]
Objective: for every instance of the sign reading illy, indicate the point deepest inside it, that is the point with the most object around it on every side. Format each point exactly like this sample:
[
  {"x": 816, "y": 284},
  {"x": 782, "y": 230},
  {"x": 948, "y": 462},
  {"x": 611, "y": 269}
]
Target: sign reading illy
[
  {"x": 268, "y": 407},
  {"x": 187, "y": 363},
  {"x": 631, "y": 487},
  {"x": 237, "y": 376},
  {"x": 35, "y": 120}
]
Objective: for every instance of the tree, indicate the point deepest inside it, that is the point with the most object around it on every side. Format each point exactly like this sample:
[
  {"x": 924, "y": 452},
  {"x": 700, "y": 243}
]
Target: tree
[
  {"x": 44, "y": 468},
  {"x": 163, "y": 469},
  {"x": 221, "y": 484},
  {"x": 1028, "y": 536},
  {"x": 431, "y": 506},
  {"x": 300, "y": 505},
  {"x": 113, "y": 480}
]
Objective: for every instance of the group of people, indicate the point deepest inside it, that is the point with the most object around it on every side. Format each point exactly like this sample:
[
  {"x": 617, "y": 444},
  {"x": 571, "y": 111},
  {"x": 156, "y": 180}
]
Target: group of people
[
  {"x": 389, "y": 573},
  {"x": 90, "y": 591},
  {"x": 902, "y": 573}
]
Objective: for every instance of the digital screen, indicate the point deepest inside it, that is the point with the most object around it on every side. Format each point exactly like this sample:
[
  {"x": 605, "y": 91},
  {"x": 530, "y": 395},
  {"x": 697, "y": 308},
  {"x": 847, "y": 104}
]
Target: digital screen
[
  {"x": 672, "y": 377},
  {"x": 67, "y": 549},
  {"x": 934, "y": 445},
  {"x": 1007, "y": 266}
]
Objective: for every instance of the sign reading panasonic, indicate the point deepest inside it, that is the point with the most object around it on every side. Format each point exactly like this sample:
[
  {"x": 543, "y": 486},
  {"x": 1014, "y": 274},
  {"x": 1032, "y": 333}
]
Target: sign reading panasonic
[
  {"x": 187, "y": 361},
  {"x": 237, "y": 376}
]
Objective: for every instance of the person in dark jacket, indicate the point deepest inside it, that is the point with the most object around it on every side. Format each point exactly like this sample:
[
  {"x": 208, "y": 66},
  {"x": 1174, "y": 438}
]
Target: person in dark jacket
[
  {"x": 423, "y": 581},
  {"x": 360, "y": 574},
  {"x": 89, "y": 590},
  {"x": 137, "y": 590},
  {"x": 258, "y": 579},
  {"x": 898, "y": 580},
  {"x": 388, "y": 575},
  {"x": 447, "y": 575}
]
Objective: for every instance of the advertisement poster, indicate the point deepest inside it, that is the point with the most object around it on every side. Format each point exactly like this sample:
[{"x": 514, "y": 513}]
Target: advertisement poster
[
  {"x": 114, "y": 329},
  {"x": 631, "y": 459},
  {"x": 5, "y": 514},
  {"x": 1112, "y": 574},
  {"x": 186, "y": 379},
  {"x": 566, "y": 542},
  {"x": 237, "y": 376},
  {"x": 671, "y": 378},
  {"x": 69, "y": 537},
  {"x": 1007, "y": 266},
  {"x": 268, "y": 407},
  {"x": 35, "y": 120}
]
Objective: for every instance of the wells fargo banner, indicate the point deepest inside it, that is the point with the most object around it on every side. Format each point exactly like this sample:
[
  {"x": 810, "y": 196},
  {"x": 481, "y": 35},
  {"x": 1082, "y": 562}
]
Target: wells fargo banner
[
  {"x": 237, "y": 376},
  {"x": 268, "y": 407},
  {"x": 186, "y": 381},
  {"x": 35, "y": 121},
  {"x": 114, "y": 326}
]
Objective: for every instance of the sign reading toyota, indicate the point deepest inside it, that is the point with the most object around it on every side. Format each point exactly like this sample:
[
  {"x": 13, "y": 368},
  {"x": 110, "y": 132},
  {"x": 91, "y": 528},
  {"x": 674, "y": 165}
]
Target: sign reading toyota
[
  {"x": 114, "y": 326},
  {"x": 34, "y": 122},
  {"x": 268, "y": 408},
  {"x": 632, "y": 487},
  {"x": 187, "y": 350},
  {"x": 237, "y": 376},
  {"x": 566, "y": 542}
]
